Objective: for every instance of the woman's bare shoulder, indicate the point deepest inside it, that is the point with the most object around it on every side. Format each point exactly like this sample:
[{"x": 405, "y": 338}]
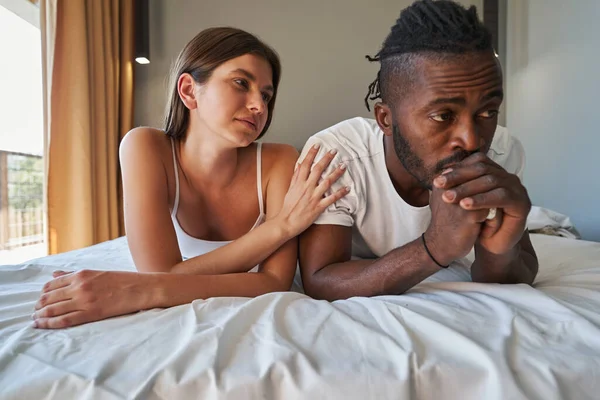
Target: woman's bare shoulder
[
  {"x": 145, "y": 142},
  {"x": 279, "y": 155}
]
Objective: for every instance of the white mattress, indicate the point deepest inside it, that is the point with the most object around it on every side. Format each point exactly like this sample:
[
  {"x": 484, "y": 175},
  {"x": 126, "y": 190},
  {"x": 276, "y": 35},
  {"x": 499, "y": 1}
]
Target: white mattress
[{"x": 442, "y": 340}]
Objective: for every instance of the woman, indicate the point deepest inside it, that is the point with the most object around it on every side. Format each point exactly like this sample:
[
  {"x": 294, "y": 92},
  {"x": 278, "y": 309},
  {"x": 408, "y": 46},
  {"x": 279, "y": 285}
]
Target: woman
[{"x": 204, "y": 203}]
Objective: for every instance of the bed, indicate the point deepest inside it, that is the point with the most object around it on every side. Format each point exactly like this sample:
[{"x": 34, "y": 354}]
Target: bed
[{"x": 441, "y": 340}]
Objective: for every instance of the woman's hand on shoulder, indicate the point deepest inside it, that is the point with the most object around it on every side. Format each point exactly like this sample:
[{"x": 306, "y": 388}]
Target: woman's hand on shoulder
[{"x": 305, "y": 198}]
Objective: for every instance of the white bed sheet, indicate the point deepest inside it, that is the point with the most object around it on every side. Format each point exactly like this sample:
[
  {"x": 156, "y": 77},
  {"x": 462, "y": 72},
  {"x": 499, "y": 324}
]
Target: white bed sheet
[{"x": 441, "y": 340}]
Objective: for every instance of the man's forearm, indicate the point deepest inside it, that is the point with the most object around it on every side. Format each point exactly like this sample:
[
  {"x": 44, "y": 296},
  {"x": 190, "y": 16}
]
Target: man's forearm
[
  {"x": 394, "y": 273},
  {"x": 517, "y": 266}
]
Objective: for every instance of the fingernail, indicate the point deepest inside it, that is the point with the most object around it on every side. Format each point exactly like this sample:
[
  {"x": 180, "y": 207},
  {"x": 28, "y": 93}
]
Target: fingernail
[
  {"x": 468, "y": 202},
  {"x": 440, "y": 180},
  {"x": 347, "y": 188},
  {"x": 35, "y": 324},
  {"x": 316, "y": 146},
  {"x": 447, "y": 170},
  {"x": 450, "y": 195},
  {"x": 33, "y": 316},
  {"x": 332, "y": 151},
  {"x": 342, "y": 166}
]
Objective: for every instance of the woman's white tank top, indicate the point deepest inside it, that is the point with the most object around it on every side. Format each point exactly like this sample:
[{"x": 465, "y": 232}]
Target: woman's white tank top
[{"x": 190, "y": 246}]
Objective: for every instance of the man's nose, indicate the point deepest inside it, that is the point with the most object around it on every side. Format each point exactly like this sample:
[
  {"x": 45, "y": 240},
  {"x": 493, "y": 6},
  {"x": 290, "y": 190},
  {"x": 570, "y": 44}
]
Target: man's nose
[{"x": 467, "y": 136}]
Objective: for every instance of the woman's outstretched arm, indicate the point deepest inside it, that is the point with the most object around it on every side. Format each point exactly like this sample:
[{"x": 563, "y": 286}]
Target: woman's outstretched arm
[{"x": 75, "y": 298}]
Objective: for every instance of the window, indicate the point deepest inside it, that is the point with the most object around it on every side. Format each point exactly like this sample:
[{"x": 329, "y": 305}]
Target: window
[{"x": 21, "y": 133}]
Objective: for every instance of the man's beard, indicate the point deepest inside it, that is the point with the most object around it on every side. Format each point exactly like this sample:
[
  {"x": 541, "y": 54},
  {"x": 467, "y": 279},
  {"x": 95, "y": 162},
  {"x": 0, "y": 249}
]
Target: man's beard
[{"x": 415, "y": 166}]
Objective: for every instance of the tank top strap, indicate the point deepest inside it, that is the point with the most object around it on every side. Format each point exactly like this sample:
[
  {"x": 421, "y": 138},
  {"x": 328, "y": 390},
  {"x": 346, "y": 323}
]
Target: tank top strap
[
  {"x": 259, "y": 177},
  {"x": 176, "y": 171}
]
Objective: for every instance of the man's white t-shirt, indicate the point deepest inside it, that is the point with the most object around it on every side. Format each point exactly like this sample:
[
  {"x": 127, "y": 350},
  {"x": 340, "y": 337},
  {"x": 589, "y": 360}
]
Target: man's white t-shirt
[{"x": 380, "y": 219}]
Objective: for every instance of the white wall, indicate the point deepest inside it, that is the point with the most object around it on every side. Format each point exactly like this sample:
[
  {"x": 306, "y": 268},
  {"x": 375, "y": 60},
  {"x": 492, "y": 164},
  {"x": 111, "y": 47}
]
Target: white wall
[
  {"x": 24, "y": 9},
  {"x": 553, "y": 86},
  {"x": 322, "y": 44}
]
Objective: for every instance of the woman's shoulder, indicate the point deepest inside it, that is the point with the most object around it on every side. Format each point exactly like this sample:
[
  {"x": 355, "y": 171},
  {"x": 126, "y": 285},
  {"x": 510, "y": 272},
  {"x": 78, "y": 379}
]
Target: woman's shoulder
[
  {"x": 146, "y": 142},
  {"x": 279, "y": 161},
  {"x": 145, "y": 136},
  {"x": 277, "y": 155}
]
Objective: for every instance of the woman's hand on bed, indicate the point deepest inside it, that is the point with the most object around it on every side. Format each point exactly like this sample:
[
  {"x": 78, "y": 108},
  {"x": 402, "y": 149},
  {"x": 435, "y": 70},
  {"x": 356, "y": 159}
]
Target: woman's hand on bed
[
  {"x": 75, "y": 298},
  {"x": 305, "y": 199}
]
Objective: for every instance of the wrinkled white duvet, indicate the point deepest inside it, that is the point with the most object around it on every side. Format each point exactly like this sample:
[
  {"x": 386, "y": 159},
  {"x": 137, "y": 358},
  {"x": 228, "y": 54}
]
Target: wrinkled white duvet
[{"x": 442, "y": 340}]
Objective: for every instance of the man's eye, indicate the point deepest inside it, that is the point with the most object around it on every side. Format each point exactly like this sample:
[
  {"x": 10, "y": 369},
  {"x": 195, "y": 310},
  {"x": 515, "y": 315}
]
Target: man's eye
[
  {"x": 443, "y": 117},
  {"x": 489, "y": 114}
]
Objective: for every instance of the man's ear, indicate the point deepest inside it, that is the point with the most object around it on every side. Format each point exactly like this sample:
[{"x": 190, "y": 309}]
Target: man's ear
[
  {"x": 383, "y": 116},
  {"x": 186, "y": 88}
]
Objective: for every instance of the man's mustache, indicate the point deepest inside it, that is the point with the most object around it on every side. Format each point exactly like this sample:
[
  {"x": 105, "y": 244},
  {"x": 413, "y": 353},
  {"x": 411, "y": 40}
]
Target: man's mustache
[{"x": 453, "y": 159}]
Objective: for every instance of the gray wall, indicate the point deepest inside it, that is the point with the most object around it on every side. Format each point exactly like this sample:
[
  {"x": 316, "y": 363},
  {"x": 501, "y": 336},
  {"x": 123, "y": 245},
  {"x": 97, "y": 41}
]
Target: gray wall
[
  {"x": 322, "y": 44},
  {"x": 553, "y": 84}
]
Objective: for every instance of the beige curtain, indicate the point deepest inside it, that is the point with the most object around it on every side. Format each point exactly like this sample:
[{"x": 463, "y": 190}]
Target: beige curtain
[{"x": 87, "y": 48}]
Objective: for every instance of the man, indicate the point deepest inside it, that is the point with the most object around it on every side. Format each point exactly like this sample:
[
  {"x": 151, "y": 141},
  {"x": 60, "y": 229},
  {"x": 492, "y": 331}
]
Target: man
[{"x": 432, "y": 176}]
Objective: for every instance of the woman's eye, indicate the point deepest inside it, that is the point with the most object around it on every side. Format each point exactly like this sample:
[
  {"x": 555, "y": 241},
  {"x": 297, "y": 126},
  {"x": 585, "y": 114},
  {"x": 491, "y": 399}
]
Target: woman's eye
[
  {"x": 489, "y": 114},
  {"x": 443, "y": 117},
  {"x": 266, "y": 97},
  {"x": 241, "y": 82}
]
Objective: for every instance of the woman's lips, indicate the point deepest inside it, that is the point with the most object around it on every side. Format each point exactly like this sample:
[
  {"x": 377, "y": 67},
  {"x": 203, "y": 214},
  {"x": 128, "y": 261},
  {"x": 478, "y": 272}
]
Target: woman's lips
[{"x": 249, "y": 124}]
